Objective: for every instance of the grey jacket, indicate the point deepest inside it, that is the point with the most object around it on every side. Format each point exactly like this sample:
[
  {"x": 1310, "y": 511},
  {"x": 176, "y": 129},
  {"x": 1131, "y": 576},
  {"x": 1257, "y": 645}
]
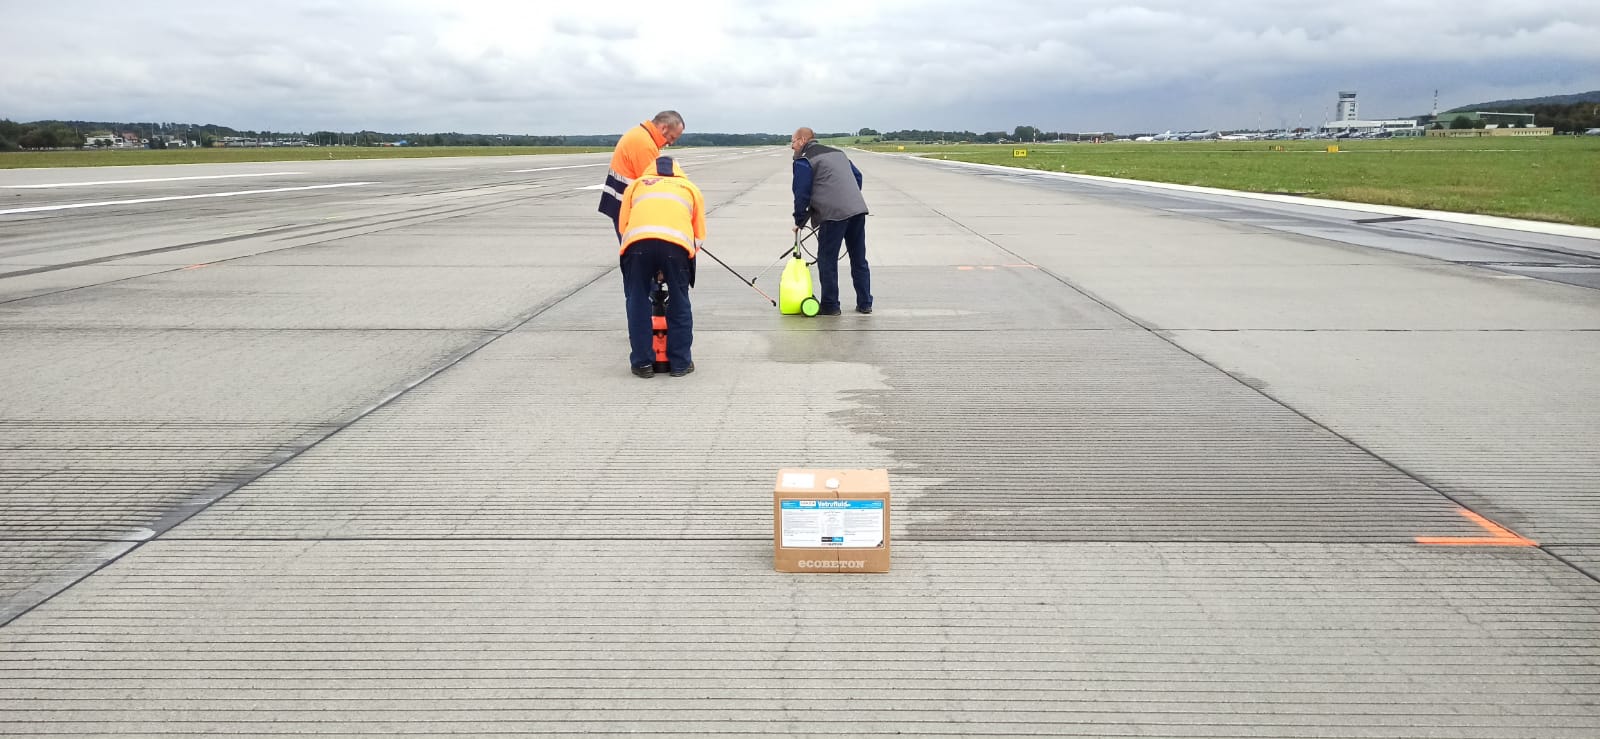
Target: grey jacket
[{"x": 827, "y": 185}]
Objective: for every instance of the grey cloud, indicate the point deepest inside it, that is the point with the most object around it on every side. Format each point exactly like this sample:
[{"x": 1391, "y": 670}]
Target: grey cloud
[
  {"x": 481, "y": 66},
  {"x": 767, "y": 26},
  {"x": 602, "y": 29}
]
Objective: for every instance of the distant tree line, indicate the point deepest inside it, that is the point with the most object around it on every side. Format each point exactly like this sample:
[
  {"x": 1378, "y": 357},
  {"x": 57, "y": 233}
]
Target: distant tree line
[
  {"x": 74, "y": 134},
  {"x": 1592, "y": 96},
  {"x": 375, "y": 138},
  {"x": 1564, "y": 118},
  {"x": 41, "y": 135}
]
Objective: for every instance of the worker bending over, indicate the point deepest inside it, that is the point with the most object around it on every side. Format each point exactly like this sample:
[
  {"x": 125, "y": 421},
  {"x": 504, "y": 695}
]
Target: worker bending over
[{"x": 662, "y": 223}]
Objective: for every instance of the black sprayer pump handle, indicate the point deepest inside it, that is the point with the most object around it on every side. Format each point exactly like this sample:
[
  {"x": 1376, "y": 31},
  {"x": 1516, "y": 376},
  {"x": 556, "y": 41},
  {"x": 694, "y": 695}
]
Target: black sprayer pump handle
[{"x": 735, "y": 273}]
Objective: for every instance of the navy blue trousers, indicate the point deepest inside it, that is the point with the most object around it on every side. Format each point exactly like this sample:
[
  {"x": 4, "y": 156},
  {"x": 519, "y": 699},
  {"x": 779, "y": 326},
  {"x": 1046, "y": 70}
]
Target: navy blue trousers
[
  {"x": 853, "y": 232},
  {"x": 640, "y": 263},
  {"x": 618, "y": 234}
]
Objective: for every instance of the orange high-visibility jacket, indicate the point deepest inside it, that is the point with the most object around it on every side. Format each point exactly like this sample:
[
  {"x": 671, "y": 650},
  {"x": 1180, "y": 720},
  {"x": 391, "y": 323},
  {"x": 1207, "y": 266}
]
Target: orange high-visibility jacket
[
  {"x": 635, "y": 155},
  {"x": 666, "y": 207}
]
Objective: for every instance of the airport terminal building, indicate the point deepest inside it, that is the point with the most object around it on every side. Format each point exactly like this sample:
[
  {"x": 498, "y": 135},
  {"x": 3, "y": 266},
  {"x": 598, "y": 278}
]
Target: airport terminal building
[
  {"x": 1392, "y": 127},
  {"x": 1347, "y": 119},
  {"x": 1483, "y": 123}
]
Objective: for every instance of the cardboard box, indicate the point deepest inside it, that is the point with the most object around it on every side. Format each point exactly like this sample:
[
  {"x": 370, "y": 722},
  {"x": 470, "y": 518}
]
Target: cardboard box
[{"x": 831, "y": 521}]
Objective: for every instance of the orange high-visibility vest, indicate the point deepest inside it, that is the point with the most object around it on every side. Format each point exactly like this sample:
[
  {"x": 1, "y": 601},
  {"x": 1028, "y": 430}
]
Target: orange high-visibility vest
[
  {"x": 663, "y": 207},
  {"x": 635, "y": 155}
]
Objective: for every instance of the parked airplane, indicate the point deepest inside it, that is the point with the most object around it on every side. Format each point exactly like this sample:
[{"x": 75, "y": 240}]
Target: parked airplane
[{"x": 1168, "y": 136}]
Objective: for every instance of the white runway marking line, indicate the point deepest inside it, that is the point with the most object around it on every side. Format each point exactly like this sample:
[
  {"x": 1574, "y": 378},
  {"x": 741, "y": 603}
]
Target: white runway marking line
[
  {"x": 70, "y": 206},
  {"x": 548, "y": 169},
  {"x": 154, "y": 179}
]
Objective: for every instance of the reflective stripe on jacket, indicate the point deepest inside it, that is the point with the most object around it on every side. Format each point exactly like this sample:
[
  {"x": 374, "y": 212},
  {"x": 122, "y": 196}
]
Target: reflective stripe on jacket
[
  {"x": 666, "y": 208},
  {"x": 635, "y": 155}
]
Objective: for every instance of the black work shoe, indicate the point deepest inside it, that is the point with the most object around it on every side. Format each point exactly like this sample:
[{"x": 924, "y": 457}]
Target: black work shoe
[
  {"x": 646, "y": 371},
  {"x": 684, "y": 371},
  {"x": 864, "y": 311},
  {"x": 829, "y": 312}
]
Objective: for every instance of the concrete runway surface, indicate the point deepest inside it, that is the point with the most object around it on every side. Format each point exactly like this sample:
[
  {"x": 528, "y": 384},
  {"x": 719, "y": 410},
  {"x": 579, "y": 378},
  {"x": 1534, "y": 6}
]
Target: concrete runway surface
[{"x": 352, "y": 448}]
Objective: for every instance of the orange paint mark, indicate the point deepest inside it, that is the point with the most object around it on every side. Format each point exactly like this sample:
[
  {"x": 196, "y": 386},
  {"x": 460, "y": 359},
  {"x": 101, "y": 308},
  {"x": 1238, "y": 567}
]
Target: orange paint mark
[
  {"x": 990, "y": 269},
  {"x": 1467, "y": 541},
  {"x": 964, "y": 269},
  {"x": 1496, "y": 529},
  {"x": 196, "y": 266},
  {"x": 1499, "y": 536}
]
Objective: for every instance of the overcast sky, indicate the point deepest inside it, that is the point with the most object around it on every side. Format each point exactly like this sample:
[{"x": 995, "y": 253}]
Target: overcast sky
[{"x": 477, "y": 66}]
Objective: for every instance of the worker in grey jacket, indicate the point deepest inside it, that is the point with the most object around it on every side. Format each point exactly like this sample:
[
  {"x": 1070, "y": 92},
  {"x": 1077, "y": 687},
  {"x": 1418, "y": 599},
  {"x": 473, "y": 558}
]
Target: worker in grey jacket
[{"x": 827, "y": 190}]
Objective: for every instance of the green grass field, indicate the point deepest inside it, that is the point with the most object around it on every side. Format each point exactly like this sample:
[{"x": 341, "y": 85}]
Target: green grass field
[
  {"x": 115, "y": 157},
  {"x": 1544, "y": 178}
]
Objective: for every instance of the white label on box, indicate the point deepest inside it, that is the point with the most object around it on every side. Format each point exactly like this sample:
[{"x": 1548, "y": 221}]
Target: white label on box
[
  {"x": 799, "y": 480},
  {"x": 831, "y": 524}
]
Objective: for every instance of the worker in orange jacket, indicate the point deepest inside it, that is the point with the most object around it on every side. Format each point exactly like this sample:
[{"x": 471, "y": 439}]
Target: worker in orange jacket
[
  {"x": 661, "y": 223},
  {"x": 635, "y": 155}
]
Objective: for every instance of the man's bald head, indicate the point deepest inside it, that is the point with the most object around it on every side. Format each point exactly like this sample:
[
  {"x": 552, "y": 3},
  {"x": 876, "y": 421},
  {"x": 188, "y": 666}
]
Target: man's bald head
[{"x": 801, "y": 137}]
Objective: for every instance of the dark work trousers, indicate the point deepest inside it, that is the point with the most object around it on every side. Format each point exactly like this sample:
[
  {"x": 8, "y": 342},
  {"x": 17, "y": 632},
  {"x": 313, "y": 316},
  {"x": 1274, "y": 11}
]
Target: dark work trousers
[
  {"x": 618, "y": 234},
  {"x": 640, "y": 263},
  {"x": 853, "y": 232}
]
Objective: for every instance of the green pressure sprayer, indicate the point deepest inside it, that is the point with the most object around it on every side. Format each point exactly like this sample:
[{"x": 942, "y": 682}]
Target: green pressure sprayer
[{"x": 796, "y": 293}]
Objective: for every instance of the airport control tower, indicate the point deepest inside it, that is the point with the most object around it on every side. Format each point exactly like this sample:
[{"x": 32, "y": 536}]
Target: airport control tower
[{"x": 1347, "y": 106}]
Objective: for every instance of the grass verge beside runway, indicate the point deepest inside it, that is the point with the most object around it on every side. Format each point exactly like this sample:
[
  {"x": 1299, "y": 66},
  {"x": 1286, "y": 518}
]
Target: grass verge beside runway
[
  {"x": 1553, "y": 179},
  {"x": 116, "y": 157}
]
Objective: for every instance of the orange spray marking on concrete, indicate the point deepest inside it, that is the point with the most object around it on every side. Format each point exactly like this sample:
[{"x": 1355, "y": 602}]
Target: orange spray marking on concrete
[{"x": 1499, "y": 536}]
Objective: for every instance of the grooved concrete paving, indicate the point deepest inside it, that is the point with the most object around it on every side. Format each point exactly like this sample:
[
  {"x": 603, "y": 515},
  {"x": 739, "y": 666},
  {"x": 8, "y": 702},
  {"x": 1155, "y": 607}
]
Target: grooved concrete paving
[
  {"x": 26, "y": 286},
  {"x": 269, "y": 376},
  {"x": 1216, "y": 459},
  {"x": 369, "y": 297},
  {"x": 1585, "y": 558},
  {"x": 1354, "y": 298},
  {"x": 106, "y": 435},
  {"x": 125, "y": 476},
  {"x": 438, "y": 248},
  {"x": 1121, "y": 507},
  {"x": 1505, "y": 431},
  {"x": 1188, "y": 246},
  {"x": 539, "y": 435},
  {"x": 947, "y": 298},
  {"x": 1072, "y": 436},
  {"x": 31, "y": 571},
  {"x": 690, "y": 637}
]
